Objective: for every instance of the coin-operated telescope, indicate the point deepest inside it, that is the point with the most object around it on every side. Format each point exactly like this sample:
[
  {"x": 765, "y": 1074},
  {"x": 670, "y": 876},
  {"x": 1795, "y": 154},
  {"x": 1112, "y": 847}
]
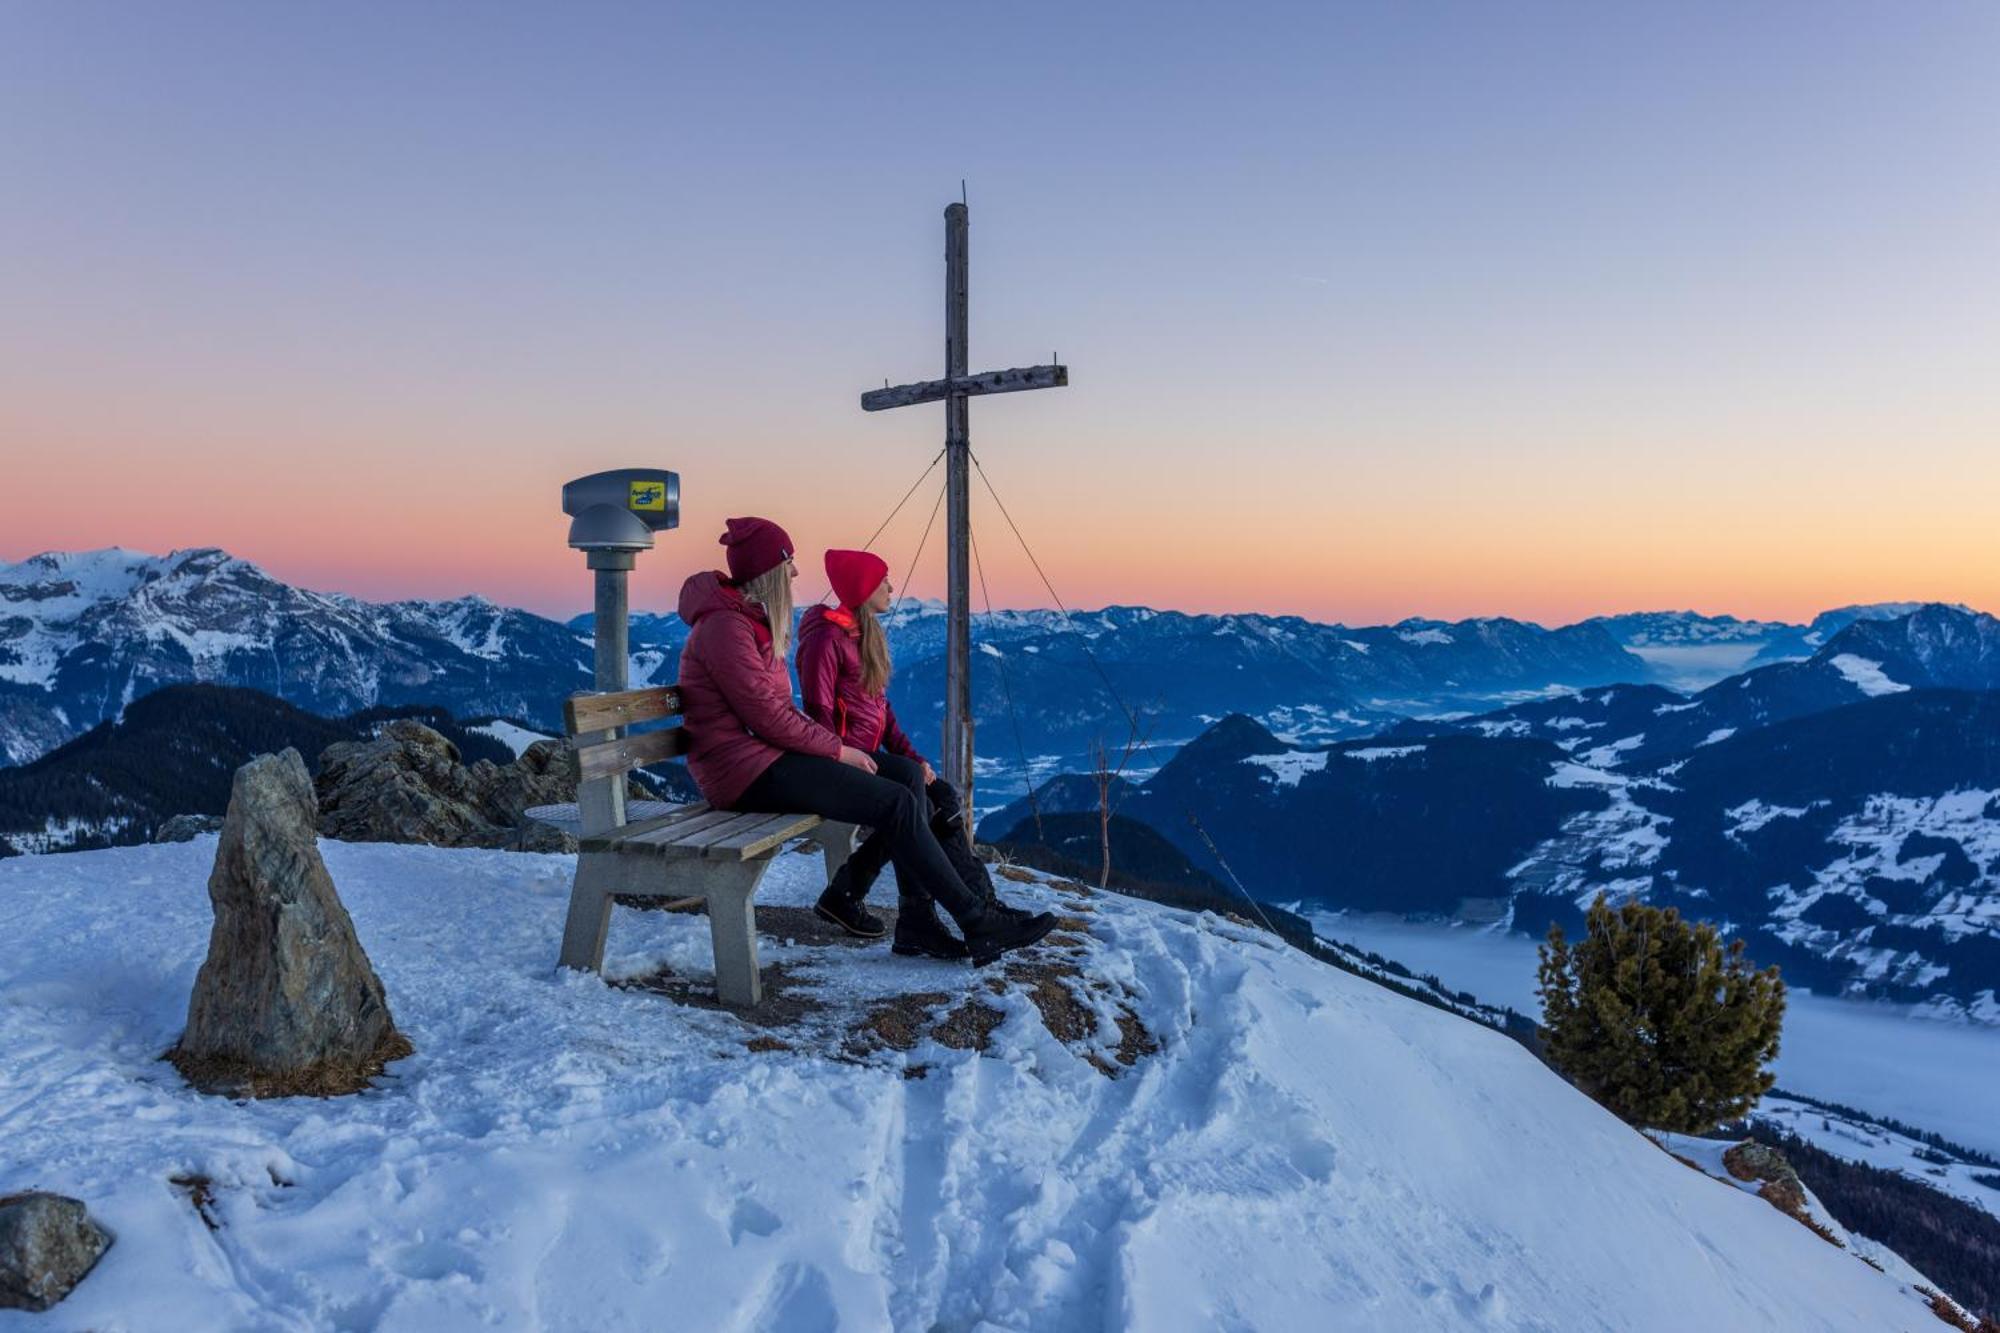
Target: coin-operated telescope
[
  {"x": 613, "y": 516},
  {"x": 621, "y": 510}
]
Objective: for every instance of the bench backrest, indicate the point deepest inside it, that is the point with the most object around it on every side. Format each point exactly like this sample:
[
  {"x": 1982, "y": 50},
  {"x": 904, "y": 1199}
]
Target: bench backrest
[{"x": 588, "y": 717}]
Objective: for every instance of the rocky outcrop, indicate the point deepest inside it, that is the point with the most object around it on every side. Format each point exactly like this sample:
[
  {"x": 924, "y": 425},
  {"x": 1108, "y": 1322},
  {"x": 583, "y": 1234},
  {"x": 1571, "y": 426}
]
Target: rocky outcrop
[
  {"x": 286, "y": 1003},
  {"x": 1781, "y": 1187},
  {"x": 186, "y": 828},
  {"x": 409, "y": 785},
  {"x": 47, "y": 1245}
]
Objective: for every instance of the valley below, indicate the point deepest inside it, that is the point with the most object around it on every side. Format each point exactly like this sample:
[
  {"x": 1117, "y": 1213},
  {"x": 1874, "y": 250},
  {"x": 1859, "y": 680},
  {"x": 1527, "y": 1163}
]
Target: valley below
[{"x": 1879, "y": 1057}]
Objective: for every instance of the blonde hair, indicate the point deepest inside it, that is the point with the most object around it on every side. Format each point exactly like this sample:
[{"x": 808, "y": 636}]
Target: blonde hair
[
  {"x": 772, "y": 590},
  {"x": 876, "y": 668}
]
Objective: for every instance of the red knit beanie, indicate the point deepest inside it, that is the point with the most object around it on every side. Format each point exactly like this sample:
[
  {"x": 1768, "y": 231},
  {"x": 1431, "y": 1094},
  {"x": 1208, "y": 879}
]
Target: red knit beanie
[
  {"x": 756, "y": 546},
  {"x": 855, "y": 575}
]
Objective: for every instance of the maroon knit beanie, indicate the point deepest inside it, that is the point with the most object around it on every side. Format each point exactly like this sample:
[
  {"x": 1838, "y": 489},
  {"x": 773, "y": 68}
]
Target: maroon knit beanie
[
  {"x": 756, "y": 546},
  {"x": 855, "y": 575}
]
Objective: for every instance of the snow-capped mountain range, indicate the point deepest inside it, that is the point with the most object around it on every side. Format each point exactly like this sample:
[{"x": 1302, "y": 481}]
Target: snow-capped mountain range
[
  {"x": 1181, "y": 671},
  {"x": 1842, "y": 814},
  {"x": 82, "y": 635}
]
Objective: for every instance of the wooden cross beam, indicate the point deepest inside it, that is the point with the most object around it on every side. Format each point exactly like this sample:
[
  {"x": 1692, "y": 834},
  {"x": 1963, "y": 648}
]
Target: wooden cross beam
[
  {"x": 953, "y": 391},
  {"x": 993, "y": 381}
]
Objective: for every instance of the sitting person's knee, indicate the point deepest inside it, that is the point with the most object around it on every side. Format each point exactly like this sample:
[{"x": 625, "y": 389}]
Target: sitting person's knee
[{"x": 904, "y": 805}]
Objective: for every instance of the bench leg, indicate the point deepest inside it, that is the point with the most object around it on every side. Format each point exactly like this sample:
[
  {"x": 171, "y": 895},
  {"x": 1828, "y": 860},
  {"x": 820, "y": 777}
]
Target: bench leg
[
  {"x": 589, "y": 915},
  {"x": 837, "y": 841},
  {"x": 732, "y": 925}
]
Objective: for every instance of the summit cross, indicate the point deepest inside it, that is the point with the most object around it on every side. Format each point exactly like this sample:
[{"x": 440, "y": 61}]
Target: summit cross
[{"x": 954, "y": 390}]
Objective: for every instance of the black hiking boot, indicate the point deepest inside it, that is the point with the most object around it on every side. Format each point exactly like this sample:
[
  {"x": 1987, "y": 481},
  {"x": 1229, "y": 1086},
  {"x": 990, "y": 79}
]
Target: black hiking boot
[
  {"x": 1001, "y": 928},
  {"x": 844, "y": 908},
  {"x": 948, "y": 827},
  {"x": 920, "y": 934}
]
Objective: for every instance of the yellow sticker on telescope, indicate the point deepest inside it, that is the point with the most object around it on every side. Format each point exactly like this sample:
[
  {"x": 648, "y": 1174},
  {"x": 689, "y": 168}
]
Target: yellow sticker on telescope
[{"x": 649, "y": 495}]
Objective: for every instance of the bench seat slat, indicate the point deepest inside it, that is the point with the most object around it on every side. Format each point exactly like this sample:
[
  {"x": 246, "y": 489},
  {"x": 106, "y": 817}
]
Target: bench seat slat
[
  {"x": 570, "y": 820},
  {"x": 694, "y": 844},
  {"x": 658, "y": 840},
  {"x": 620, "y": 838},
  {"x": 753, "y": 842},
  {"x": 679, "y": 815}
]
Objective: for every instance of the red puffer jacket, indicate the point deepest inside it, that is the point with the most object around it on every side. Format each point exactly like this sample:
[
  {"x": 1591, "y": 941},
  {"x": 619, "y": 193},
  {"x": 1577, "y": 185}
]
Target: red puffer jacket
[
  {"x": 736, "y": 697},
  {"x": 830, "y": 682}
]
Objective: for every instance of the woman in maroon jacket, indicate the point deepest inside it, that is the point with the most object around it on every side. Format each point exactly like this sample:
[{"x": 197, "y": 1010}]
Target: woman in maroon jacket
[
  {"x": 751, "y": 750},
  {"x": 844, "y": 670}
]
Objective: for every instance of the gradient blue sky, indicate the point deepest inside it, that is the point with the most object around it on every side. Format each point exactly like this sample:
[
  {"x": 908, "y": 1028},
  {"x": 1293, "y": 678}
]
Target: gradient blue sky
[{"x": 1372, "y": 309}]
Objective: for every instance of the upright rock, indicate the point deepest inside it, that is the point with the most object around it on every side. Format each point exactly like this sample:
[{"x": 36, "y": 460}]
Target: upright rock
[
  {"x": 287, "y": 1003},
  {"x": 47, "y": 1245}
]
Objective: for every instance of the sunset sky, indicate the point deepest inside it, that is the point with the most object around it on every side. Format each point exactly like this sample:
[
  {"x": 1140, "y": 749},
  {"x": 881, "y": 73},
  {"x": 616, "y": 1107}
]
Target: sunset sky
[{"x": 1372, "y": 309}]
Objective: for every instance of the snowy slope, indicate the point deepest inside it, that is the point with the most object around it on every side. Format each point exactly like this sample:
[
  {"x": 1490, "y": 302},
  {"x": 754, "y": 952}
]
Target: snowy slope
[
  {"x": 1306, "y": 1152},
  {"x": 1707, "y": 1156}
]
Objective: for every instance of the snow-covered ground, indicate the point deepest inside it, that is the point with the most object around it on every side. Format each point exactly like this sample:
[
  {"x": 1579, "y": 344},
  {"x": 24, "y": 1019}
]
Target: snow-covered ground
[
  {"x": 511, "y": 734},
  {"x": 1939, "y": 1076},
  {"x": 1306, "y": 1150}
]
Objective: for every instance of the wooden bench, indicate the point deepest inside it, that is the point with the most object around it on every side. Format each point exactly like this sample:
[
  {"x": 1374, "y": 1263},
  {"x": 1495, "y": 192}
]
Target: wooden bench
[{"x": 689, "y": 851}]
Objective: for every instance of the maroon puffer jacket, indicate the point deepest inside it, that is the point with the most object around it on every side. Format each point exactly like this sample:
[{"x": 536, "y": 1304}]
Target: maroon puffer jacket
[
  {"x": 736, "y": 697},
  {"x": 830, "y": 683}
]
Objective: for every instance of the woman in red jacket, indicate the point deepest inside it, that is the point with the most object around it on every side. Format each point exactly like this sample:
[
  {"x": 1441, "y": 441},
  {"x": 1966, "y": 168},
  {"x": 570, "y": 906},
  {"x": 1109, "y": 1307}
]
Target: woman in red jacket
[
  {"x": 844, "y": 670},
  {"x": 751, "y": 750}
]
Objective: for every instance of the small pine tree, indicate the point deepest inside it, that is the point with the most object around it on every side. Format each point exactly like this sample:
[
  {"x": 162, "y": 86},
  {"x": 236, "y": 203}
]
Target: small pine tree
[{"x": 1650, "y": 1016}]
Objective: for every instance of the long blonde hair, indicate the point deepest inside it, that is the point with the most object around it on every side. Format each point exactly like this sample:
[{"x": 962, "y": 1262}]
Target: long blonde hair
[
  {"x": 772, "y": 590},
  {"x": 876, "y": 668}
]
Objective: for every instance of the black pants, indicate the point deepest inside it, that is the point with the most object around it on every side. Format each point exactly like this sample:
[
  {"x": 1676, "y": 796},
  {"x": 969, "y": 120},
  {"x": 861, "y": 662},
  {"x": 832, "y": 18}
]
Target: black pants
[
  {"x": 941, "y": 800},
  {"x": 896, "y": 811}
]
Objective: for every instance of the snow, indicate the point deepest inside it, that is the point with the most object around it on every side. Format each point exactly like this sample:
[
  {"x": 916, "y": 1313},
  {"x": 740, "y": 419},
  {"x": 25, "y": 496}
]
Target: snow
[
  {"x": 1865, "y": 675},
  {"x": 1371, "y": 753},
  {"x": 1719, "y": 734},
  {"x": 1423, "y": 636},
  {"x": 1753, "y": 815},
  {"x": 1288, "y": 768},
  {"x": 1624, "y": 835},
  {"x": 56, "y": 835},
  {"x": 1568, "y": 774},
  {"x": 514, "y": 736},
  {"x": 1874, "y": 839},
  {"x": 1355, "y": 644},
  {"x": 1307, "y": 1150},
  {"x": 1607, "y": 756},
  {"x": 473, "y": 625},
  {"x": 989, "y": 650}
]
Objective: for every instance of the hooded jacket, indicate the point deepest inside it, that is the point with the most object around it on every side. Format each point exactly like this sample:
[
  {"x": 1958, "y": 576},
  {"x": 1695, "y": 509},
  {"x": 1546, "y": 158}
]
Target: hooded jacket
[
  {"x": 736, "y": 696},
  {"x": 829, "y": 657}
]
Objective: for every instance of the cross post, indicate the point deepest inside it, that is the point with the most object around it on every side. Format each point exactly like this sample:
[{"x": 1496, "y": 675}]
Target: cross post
[{"x": 955, "y": 390}]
